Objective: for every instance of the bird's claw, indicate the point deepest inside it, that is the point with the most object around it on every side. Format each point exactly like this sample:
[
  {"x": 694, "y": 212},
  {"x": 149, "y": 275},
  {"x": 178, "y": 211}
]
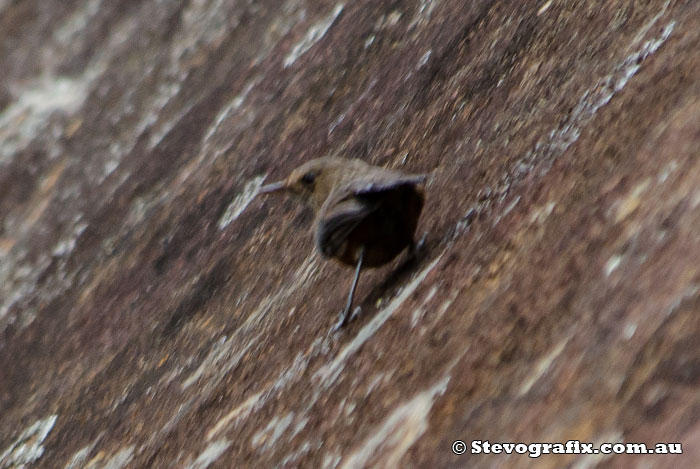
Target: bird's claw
[
  {"x": 355, "y": 313},
  {"x": 342, "y": 321},
  {"x": 416, "y": 247},
  {"x": 421, "y": 242},
  {"x": 344, "y": 318}
]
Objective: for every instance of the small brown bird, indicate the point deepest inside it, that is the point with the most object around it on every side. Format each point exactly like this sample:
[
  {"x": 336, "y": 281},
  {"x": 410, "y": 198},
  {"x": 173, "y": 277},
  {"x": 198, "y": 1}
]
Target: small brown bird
[{"x": 365, "y": 215}]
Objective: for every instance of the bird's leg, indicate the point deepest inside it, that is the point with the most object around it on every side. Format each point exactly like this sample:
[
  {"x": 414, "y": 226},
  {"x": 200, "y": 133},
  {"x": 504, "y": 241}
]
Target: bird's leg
[
  {"x": 346, "y": 315},
  {"x": 415, "y": 247}
]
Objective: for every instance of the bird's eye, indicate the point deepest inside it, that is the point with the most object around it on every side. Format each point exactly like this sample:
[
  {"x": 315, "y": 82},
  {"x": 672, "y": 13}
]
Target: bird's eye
[{"x": 308, "y": 179}]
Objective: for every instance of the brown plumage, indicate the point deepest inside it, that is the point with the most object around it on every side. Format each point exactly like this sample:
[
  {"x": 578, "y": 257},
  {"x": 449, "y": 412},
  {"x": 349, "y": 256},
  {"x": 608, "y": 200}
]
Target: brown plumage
[{"x": 365, "y": 215}]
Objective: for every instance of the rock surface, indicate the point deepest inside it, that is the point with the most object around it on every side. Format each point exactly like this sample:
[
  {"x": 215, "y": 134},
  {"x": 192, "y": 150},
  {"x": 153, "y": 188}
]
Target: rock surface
[{"x": 155, "y": 313}]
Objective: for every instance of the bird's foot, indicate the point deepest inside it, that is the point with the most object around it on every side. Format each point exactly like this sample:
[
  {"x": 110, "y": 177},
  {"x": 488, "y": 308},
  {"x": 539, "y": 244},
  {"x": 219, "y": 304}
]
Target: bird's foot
[
  {"x": 421, "y": 242},
  {"x": 344, "y": 318},
  {"x": 342, "y": 321},
  {"x": 416, "y": 247},
  {"x": 355, "y": 313}
]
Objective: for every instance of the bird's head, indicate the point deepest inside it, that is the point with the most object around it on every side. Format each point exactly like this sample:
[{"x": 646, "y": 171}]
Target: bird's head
[{"x": 314, "y": 180}]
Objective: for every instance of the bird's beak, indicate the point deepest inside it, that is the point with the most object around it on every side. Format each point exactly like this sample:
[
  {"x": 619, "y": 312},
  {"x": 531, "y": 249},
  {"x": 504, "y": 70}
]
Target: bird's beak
[{"x": 273, "y": 187}]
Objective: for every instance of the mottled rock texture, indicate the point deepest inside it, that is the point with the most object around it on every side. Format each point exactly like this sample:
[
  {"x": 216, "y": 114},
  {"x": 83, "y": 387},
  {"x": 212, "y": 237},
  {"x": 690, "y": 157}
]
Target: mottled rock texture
[{"x": 155, "y": 313}]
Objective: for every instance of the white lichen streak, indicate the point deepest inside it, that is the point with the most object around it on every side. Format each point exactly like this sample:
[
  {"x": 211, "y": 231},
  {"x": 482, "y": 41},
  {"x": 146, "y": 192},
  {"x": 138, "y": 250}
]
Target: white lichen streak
[
  {"x": 302, "y": 277},
  {"x": 210, "y": 454},
  {"x": 544, "y": 7},
  {"x": 594, "y": 98},
  {"x": 235, "y": 415},
  {"x": 239, "y": 204},
  {"x": 442, "y": 309},
  {"x": 233, "y": 120},
  {"x": 612, "y": 264},
  {"x": 79, "y": 459},
  {"x": 256, "y": 401},
  {"x": 28, "y": 447},
  {"x": 398, "y": 432},
  {"x": 65, "y": 245},
  {"x": 420, "y": 310},
  {"x": 222, "y": 358},
  {"x": 73, "y": 29},
  {"x": 422, "y": 16},
  {"x": 22, "y": 120},
  {"x": 540, "y": 214},
  {"x": 424, "y": 59},
  {"x": 231, "y": 108},
  {"x": 626, "y": 206},
  {"x": 542, "y": 366},
  {"x": 329, "y": 373},
  {"x": 228, "y": 352},
  {"x": 602, "y": 92},
  {"x": 313, "y": 35},
  {"x": 19, "y": 280},
  {"x": 268, "y": 436},
  {"x": 295, "y": 455},
  {"x": 506, "y": 210},
  {"x": 166, "y": 91},
  {"x": 118, "y": 461}
]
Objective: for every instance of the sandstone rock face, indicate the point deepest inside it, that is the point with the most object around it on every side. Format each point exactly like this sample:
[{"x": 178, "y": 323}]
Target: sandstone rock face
[{"x": 155, "y": 313}]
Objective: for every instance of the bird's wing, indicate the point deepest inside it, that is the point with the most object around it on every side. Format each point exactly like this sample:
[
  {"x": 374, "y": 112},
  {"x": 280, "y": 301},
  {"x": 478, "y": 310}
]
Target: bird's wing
[
  {"x": 336, "y": 221},
  {"x": 384, "y": 181},
  {"x": 349, "y": 204}
]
